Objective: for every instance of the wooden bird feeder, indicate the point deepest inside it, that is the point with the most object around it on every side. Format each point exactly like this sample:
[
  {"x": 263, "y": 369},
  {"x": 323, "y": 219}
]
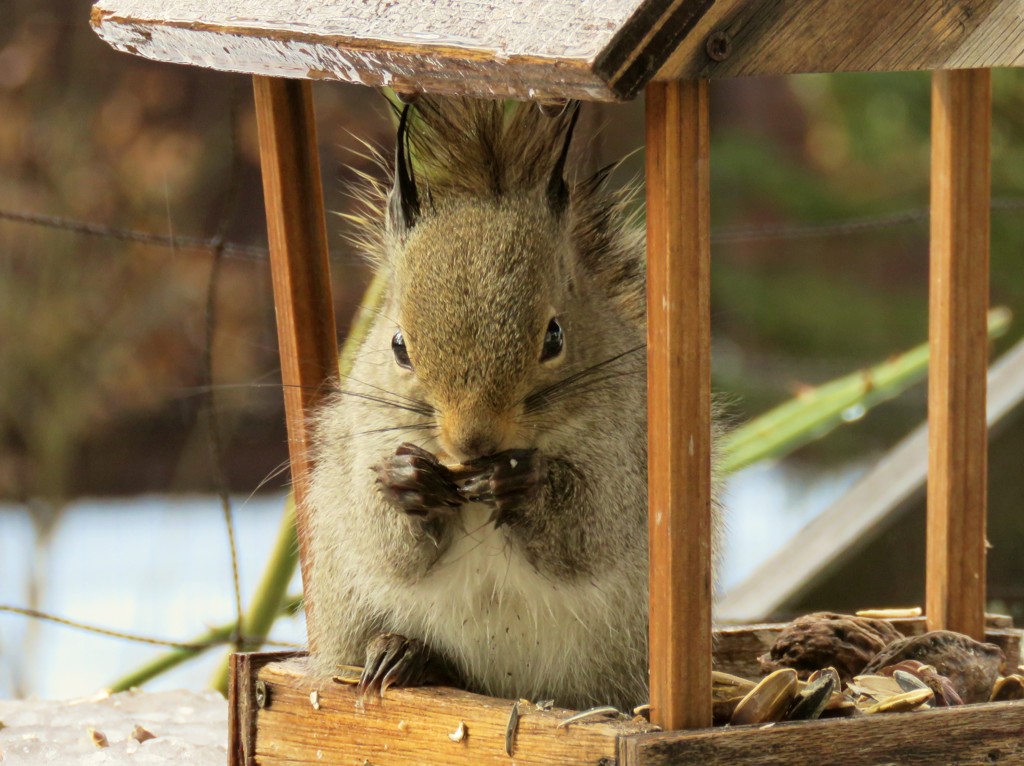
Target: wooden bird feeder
[{"x": 613, "y": 50}]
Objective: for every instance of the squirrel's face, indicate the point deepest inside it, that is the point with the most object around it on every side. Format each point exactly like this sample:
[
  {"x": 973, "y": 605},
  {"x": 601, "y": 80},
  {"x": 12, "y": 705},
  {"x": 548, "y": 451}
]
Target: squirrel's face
[{"x": 480, "y": 295}]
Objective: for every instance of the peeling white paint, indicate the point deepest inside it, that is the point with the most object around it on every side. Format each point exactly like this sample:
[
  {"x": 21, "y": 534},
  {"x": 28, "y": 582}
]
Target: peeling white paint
[
  {"x": 540, "y": 45},
  {"x": 547, "y": 28}
]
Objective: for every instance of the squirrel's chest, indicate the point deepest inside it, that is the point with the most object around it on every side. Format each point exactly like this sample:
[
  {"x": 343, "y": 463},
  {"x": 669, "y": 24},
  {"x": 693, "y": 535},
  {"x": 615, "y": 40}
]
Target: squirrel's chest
[
  {"x": 481, "y": 568},
  {"x": 485, "y": 603}
]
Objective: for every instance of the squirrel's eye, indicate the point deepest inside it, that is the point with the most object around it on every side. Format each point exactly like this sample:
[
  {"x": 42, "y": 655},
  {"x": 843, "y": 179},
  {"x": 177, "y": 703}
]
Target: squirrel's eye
[
  {"x": 400, "y": 351},
  {"x": 553, "y": 341}
]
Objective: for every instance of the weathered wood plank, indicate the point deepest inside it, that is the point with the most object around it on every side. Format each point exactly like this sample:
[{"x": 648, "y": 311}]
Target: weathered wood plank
[
  {"x": 306, "y": 334},
  {"x": 416, "y": 726},
  {"x": 736, "y": 38},
  {"x": 970, "y": 734},
  {"x": 540, "y": 48},
  {"x": 244, "y": 702},
  {"x": 412, "y": 726},
  {"x": 679, "y": 402},
  {"x": 239, "y": 717},
  {"x": 546, "y": 48},
  {"x": 958, "y": 441}
]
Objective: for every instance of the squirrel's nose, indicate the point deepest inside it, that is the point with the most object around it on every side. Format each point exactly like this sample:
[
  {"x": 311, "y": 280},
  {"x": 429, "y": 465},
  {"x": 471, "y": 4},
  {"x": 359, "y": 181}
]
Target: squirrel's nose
[
  {"x": 467, "y": 436},
  {"x": 475, "y": 445},
  {"x": 475, "y": 431}
]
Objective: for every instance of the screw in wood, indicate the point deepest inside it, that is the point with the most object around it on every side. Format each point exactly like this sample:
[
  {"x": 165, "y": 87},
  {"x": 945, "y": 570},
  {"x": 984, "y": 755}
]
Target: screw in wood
[
  {"x": 262, "y": 695},
  {"x": 718, "y": 46}
]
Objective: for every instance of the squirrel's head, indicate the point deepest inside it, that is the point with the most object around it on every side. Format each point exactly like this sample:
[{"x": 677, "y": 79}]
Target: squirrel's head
[{"x": 488, "y": 249}]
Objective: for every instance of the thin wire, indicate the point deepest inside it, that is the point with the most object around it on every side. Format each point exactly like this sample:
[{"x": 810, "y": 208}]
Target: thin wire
[
  {"x": 36, "y": 614},
  {"x": 230, "y": 250},
  {"x": 764, "y": 233},
  {"x": 768, "y": 233},
  {"x": 846, "y": 226}
]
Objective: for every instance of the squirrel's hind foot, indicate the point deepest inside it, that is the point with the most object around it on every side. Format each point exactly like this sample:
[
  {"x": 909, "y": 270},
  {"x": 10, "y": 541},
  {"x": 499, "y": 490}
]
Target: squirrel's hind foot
[{"x": 394, "y": 660}]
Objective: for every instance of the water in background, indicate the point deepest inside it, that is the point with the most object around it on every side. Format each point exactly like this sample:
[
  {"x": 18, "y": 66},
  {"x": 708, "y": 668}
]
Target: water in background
[
  {"x": 159, "y": 566},
  {"x": 155, "y": 565}
]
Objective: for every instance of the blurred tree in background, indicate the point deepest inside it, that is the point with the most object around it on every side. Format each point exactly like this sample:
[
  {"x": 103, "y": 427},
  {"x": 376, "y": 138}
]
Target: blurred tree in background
[{"x": 102, "y": 342}]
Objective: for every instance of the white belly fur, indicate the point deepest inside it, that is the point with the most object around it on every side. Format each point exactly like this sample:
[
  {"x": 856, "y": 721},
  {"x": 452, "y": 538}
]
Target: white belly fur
[{"x": 515, "y": 632}]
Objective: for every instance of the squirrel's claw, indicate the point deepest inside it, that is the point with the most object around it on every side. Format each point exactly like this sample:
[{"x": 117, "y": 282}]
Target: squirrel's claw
[
  {"x": 414, "y": 481},
  {"x": 394, "y": 660},
  {"x": 512, "y": 480}
]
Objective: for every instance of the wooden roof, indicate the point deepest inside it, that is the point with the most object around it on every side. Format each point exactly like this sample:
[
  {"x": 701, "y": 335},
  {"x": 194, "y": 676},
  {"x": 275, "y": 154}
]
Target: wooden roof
[{"x": 591, "y": 49}]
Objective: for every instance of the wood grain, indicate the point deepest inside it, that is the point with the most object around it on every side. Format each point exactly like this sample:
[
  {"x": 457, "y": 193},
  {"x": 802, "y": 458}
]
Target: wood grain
[
  {"x": 243, "y": 702},
  {"x": 413, "y": 725},
  {"x": 550, "y": 49},
  {"x": 240, "y": 718},
  {"x": 774, "y": 37},
  {"x": 530, "y": 49},
  {"x": 958, "y": 442},
  {"x": 969, "y": 734},
  {"x": 306, "y": 334},
  {"x": 679, "y": 403},
  {"x": 416, "y": 726}
]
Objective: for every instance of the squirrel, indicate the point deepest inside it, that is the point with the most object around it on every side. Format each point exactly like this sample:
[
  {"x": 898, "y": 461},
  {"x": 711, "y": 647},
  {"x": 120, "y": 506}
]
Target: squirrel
[{"x": 478, "y": 501}]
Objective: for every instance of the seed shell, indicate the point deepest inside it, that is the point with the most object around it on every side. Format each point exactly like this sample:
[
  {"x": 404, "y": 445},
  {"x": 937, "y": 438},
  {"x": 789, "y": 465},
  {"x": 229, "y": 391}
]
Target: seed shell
[
  {"x": 811, "y": 701},
  {"x": 1009, "y": 688},
  {"x": 902, "y": 703},
  {"x": 769, "y": 700}
]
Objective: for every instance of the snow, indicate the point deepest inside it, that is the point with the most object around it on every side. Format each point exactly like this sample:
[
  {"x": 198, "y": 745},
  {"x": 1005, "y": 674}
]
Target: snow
[{"x": 188, "y": 728}]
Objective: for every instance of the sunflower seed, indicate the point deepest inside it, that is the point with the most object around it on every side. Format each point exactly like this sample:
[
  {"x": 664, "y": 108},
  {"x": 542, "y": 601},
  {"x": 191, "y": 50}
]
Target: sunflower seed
[
  {"x": 901, "y": 703},
  {"x": 769, "y": 700},
  {"x": 586, "y": 715},
  {"x": 811, "y": 701}
]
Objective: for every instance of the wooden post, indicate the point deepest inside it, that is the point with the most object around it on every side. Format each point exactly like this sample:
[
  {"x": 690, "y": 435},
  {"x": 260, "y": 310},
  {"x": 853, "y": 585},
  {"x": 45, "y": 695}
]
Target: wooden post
[
  {"x": 957, "y": 468},
  {"x": 679, "y": 402},
  {"x": 306, "y": 333}
]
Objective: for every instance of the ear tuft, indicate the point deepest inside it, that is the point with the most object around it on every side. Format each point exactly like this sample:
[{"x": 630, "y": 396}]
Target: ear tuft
[
  {"x": 558, "y": 189},
  {"x": 404, "y": 201}
]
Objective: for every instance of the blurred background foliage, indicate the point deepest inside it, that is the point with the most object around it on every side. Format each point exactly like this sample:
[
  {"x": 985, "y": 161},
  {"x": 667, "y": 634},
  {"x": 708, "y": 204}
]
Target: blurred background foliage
[{"x": 103, "y": 342}]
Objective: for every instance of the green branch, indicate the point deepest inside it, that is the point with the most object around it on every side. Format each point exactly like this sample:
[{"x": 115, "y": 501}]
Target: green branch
[
  {"x": 266, "y": 604},
  {"x": 213, "y": 638},
  {"x": 815, "y": 412}
]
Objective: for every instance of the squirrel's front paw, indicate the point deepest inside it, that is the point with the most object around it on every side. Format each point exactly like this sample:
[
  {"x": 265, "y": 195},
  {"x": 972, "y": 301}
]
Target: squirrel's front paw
[
  {"x": 394, "y": 660},
  {"x": 509, "y": 481},
  {"x": 414, "y": 481}
]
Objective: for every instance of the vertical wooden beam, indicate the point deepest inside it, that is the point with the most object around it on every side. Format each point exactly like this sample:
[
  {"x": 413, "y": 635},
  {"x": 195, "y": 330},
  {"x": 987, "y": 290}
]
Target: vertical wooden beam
[
  {"x": 679, "y": 402},
  {"x": 306, "y": 333},
  {"x": 957, "y": 468}
]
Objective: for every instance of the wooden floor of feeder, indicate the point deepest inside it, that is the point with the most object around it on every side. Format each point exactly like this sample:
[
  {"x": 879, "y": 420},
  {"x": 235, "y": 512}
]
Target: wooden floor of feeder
[{"x": 280, "y": 716}]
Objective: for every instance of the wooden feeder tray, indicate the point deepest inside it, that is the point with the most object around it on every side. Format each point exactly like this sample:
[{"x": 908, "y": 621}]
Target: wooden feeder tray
[
  {"x": 611, "y": 50},
  {"x": 280, "y": 716}
]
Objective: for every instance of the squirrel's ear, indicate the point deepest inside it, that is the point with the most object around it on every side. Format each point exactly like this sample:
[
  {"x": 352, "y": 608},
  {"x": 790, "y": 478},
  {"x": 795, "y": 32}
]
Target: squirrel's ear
[
  {"x": 403, "y": 201},
  {"x": 558, "y": 190}
]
